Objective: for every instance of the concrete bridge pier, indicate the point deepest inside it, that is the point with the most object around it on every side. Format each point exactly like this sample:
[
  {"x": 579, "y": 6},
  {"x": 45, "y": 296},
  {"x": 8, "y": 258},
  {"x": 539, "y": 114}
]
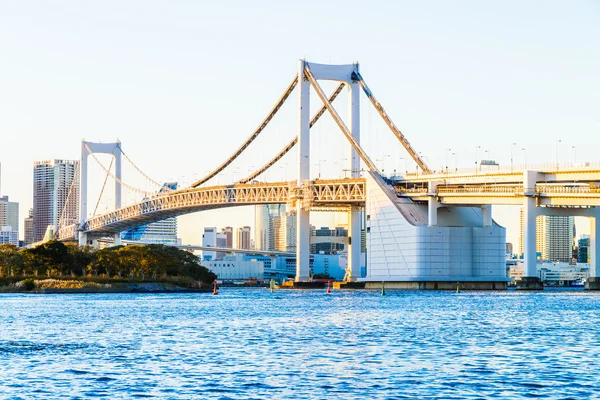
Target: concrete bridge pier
[
  {"x": 531, "y": 279},
  {"x": 432, "y": 204},
  {"x": 302, "y": 213},
  {"x": 593, "y": 281}
]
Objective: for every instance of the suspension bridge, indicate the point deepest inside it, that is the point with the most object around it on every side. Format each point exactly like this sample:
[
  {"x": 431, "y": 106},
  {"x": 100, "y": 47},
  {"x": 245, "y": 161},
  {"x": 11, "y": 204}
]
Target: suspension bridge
[{"x": 422, "y": 229}]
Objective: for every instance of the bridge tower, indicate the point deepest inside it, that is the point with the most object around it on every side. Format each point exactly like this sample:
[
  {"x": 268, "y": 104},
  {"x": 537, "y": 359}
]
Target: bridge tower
[
  {"x": 88, "y": 148},
  {"x": 340, "y": 73}
]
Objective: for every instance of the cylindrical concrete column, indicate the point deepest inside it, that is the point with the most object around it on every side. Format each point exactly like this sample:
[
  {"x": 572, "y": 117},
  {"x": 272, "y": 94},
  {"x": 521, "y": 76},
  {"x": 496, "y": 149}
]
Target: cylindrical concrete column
[
  {"x": 529, "y": 235},
  {"x": 302, "y": 215},
  {"x": 354, "y": 216},
  {"x": 594, "y": 246}
]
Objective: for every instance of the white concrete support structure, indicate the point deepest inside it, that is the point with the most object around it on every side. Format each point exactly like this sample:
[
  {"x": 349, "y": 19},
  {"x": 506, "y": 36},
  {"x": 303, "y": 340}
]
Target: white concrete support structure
[
  {"x": 87, "y": 148},
  {"x": 530, "y": 213},
  {"x": 487, "y": 215},
  {"x": 594, "y": 246},
  {"x": 432, "y": 205},
  {"x": 303, "y": 214},
  {"x": 354, "y": 216}
]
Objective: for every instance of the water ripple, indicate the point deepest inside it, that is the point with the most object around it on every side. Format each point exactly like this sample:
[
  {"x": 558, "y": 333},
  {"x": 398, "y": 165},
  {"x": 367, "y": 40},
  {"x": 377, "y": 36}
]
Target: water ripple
[{"x": 251, "y": 344}]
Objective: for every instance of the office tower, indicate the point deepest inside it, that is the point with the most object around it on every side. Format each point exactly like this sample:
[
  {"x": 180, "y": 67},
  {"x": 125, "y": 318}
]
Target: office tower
[
  {"x": 264, "y": 230},
  {"x": 554, "y": 237},
  {"x": 28, "y": 226},
  {"x": 159, "y": 232},
  {"x": 212, "y": 238},
  {"x": 52, "y": 182},
  {"x": 9, "y": 213},
  {"x": 583, "y": 253},
  {"x": 286, "y": 235},
  {"x": 8, "y": 235},
  {"x": 243, "y": 238},
  {"x": 228, "y": 232}
]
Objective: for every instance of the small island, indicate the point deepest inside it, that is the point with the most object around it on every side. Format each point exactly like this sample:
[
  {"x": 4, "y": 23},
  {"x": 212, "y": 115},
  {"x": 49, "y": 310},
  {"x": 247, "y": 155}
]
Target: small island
[{"x": 56, "y": 267}]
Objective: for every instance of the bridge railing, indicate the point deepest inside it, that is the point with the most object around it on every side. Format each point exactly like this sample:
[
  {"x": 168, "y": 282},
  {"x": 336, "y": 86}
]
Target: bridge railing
[{"x": 499, "y": 168}]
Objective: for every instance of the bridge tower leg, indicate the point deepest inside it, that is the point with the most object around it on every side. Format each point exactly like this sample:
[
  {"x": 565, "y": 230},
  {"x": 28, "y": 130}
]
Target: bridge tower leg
[
  {"x": 83, "y": 192},
  {"x": 303, "y": 214},
  {"x": 530, "y": 280},
  {"x": 593, "y": 281},
  {"x": 113, "y": 149},
  {"x": 117, "y": 155},
  {"x": 354, "y": 216}
]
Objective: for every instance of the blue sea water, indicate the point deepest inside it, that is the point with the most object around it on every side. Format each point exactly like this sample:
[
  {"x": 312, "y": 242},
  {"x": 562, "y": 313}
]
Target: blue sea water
[{"x": 250, "y": 343}]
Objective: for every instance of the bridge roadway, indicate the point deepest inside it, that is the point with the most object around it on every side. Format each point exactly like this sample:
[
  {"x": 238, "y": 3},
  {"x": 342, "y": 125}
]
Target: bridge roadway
[
  {"x": 319, "y": 195},
  {"x": 569, "y": 187},
  {"x": 574, "y": 187}
]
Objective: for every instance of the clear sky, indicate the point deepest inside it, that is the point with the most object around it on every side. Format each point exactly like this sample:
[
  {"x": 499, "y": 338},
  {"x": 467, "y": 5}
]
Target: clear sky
[{"x": 183, "y": 83}]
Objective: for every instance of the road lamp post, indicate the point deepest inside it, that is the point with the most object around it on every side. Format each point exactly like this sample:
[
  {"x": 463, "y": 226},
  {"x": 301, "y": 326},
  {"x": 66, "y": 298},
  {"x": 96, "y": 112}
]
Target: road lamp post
[
  {"x": 455, "y": 162},
  {"x": 525, "y": 156},
  {"x": 558, "y": 141},
  {"x": 574, "y": 155},
  {"x": 512, "y": 145},
  {"x": 476, "y": 158},
  {"x": 447, "y": 150}
]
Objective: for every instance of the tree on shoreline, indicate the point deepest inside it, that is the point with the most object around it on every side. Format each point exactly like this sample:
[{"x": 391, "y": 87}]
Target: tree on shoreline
[{"x": 141, "y": 262}]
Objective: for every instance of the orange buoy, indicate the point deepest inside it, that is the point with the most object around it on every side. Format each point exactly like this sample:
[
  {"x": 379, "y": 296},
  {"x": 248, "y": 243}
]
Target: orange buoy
[
  {"x": 328, "y": 286},
  {"x": 215, "y": 288}
]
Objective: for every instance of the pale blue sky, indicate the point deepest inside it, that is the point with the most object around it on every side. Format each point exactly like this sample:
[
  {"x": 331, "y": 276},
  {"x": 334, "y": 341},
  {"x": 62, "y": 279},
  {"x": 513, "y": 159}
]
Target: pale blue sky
[{"x": 182, "y": 83}]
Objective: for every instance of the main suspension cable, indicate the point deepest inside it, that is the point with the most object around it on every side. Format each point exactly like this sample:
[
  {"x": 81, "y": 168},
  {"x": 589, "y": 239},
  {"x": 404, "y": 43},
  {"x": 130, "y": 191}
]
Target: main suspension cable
[
  {"x": 293, "y": 142},
  {"x": 254, "y": 135},
  {"x": 399, "y": 135},
  {"x": 139, "y": 170}
]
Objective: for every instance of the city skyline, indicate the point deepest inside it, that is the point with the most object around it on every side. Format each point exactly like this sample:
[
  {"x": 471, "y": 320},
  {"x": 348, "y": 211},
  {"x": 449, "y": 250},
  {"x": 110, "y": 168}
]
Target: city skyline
[{"x": 483, "y": 99}]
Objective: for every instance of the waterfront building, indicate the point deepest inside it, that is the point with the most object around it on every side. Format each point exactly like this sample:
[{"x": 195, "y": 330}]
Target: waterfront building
[
  {"x": 236, "y": 267},
  {"x": 9, "y": 213},
  {"x": 554, "y": 273},
  {"x": 52, "y": 182},
  {"x": 159, "y": 232},
  {"x": 243, "y": 238},
  {"x": 9, "y": 236},
  {"x": 228, "y": 232},
  {"x": 329, "y": 248},
  {"x": 264, "y": 225}
]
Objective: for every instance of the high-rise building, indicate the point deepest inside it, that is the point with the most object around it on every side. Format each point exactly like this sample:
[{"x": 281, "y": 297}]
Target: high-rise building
[
  {"x": 159, "y": 232},
  {"x": 212, "y": 238},
  {"x": 243, "y": 238},
  {"x": 228, "y": 232},
  {"x": 554, "y": 237},
  {"x": 8, "y": 235},
  {"x": 28, "y": 226},
  {"x": 52, "y": 182},
  {"x": 583, "y": 253},
  {"x": 264, "y": 225},
  {"x": 9, "y": 213},
  {"x": 286, "y": 235}
]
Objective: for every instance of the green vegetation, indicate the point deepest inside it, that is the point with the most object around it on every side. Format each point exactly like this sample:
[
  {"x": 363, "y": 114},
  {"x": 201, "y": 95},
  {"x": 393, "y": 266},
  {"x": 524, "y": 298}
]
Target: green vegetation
[{"x": 120, "y": 264}]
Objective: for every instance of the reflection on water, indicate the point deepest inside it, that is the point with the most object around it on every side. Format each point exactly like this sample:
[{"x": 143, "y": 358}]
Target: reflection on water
[{"x": 249, "y": 343}]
